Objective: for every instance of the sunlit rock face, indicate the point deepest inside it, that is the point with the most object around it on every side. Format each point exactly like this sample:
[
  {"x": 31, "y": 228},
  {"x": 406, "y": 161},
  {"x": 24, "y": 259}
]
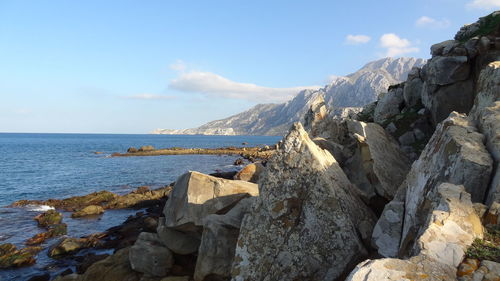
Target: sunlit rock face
[{"x": 307, "y": 223}]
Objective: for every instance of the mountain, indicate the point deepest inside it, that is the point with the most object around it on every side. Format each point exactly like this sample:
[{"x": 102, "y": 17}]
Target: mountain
[{"x": 343, "y": 93}]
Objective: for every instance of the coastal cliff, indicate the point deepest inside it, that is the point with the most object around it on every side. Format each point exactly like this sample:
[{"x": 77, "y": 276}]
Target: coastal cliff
[{"x": 407, "y": 189}]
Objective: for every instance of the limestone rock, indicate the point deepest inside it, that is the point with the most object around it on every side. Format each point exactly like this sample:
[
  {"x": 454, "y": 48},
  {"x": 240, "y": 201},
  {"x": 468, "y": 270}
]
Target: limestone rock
[
  {"x": 196, "y": 196},
  {"x": 378, "y": 166},
  {"x": 88, "y": 211},
  {"x": 178, "y": 242},
  {"x": 451, "y": 226},
  {"x": 412, "y": 91},
  {"x": 455, "y": 154},
  {"x": 220, "y": 234},
  {"x": 415, "y": 269},
  {"x": 387, "y": 232},
  {"x": 150, "y": 256},
  {"x": 447, "y": 70},
  {"x": 441, "y": 101},
  {"x": 486, "y": 114},
  {"x": 307, "y": 223},
  {"x": 316, "y": 113},
  {"x": 487, "y": 271},
  {"x": 250, "y": 173},
  {"x": 389, "y": 105}
]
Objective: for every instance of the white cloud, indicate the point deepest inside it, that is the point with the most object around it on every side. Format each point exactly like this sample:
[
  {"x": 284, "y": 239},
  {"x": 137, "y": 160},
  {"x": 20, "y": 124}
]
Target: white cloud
[
  {"x": 429, "y": 22},
  {"x": 150, "y": 97},
  {"x": 214, "y": 85},
  {"x": 396, "y": 46},
  {"x": 484, "y": 4},
  {"x": 357, "y": 39},
  {"x": 179, "y": 66}
]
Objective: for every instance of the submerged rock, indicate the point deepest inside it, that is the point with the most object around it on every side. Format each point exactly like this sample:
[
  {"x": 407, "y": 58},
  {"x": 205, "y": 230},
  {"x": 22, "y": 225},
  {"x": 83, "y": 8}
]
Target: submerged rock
[
  {"x": 48, "y": 218},
  {"x": 307, "y": 223},
  {"x": 10, "y": 256}
]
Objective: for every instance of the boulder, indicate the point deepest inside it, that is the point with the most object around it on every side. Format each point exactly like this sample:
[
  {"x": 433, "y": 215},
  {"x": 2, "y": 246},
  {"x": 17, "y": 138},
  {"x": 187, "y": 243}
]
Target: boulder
[
  {"x": 451, "y": 225},
  {"x": 250, "y": 173},
  {"x": 439, "y": 48},
  {"x": 412, "y": 92},
  {"x": 218, "y": 244},
  {"x": 447, "y": 70},
  {"x": 487, "y": 271},
  {"x": 195, "y": 196},
  {"x": 10, "y": 256},
  {"x": 141, "y": 197},
  {"x": 486, "y": 115},
  {"x": 132, "y": 149},
  {"x": 316, "y": 113},
  {"x": 307, "y": 223},
  {"x": 378, "y": 166},
  {"x": 455, "y": 154},
  {"x": 389, "y": 104},
  {"x": 53, "y": 231},
  {"x": 387, "y": 232},
  {"x": 441, "y": 101},
  {"x": 113, "y": 268},
  {"x": 70, "y": 245},
  {"x": 178, "y": 242},
  {"x": 149, "y": 255},
  {"x": 88, "y": 211},
  {"x": 50, "y": 217},
  {"x": 146, "y": 148},
  {"x": 417, "y": 268}
]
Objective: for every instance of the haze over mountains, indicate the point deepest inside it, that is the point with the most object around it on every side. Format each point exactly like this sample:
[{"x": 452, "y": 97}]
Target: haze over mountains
[{"x": 342, "y": 94}]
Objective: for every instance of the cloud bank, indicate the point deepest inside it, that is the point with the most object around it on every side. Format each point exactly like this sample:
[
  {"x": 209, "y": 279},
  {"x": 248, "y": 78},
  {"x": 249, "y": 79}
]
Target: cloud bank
[
  {"x": 396, "y": 46},
  {"x": 214, "y": 85},
  {"x": 357, "y": 39}
]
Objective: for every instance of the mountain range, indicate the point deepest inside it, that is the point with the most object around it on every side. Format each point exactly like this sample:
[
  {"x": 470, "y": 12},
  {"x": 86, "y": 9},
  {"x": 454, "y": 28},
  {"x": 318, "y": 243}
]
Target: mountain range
[{"x": 343, "y": 94}]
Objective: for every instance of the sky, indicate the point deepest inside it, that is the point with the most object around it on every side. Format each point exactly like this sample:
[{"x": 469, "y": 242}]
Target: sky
[{"x": 134, "y": 66}]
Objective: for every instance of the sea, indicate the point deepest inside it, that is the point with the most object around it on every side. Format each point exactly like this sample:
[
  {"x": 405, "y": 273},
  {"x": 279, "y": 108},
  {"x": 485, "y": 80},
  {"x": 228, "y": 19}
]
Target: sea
[{"x": 43, "y": 166}]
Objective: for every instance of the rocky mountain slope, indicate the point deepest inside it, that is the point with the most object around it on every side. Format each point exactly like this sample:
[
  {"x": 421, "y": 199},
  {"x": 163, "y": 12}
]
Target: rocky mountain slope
[
  {"x": 344, "y": 94},
  {"x": 408, "y": 189}
]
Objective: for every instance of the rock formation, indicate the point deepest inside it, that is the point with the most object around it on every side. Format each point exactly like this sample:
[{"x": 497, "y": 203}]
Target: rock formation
[{"x": 307, "y": 222}]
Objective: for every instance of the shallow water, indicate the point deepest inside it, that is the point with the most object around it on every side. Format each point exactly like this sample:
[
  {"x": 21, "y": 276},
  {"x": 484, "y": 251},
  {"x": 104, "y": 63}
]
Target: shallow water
[{"x": 43, "y": 166}]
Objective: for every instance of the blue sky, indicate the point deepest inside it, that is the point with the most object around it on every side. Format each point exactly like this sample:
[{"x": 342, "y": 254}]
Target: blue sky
[{"x": 133, "y": 66}]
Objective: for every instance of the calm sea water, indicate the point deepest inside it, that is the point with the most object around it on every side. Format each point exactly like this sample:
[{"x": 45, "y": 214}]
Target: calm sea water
[{"x": 43, "y": 166}]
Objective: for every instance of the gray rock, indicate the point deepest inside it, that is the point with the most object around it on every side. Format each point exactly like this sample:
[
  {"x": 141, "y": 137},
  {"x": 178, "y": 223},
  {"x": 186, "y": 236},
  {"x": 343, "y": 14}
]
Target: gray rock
[
  {"x": 378, "y": 166},
  {"x": 307, "y": 223},
  {"x": 439, "y": 48},
  {"x": 149, "y": 255},
  {"x": 181, "y": 243},
  {"x": 197, "y": 195},
  {"x": 388, "y": 105},
  {"x": 416, "y": 269},
  {"x": 407, "y": 138},
  {"x": 220, "y": 234},
  {"x": 455, "y": 154},
  {"x": 447, "y": 70},
  {"x": 412, "y": 92},
  {"x": 486, "y": 114},
  {"x": 441, "y": 101},
  {"x": 387, "y": 232}
]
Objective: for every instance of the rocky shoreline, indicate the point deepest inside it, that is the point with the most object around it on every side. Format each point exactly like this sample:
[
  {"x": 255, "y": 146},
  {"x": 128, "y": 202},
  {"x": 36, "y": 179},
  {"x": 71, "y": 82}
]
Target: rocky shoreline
[
  {"x": 250, "y": 153},
  {"x": 408, "y": 189}
]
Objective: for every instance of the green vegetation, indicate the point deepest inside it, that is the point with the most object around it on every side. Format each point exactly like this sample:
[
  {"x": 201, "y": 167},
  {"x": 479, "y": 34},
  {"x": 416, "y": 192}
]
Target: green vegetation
[
  {"x": 488, "y": 25},
  {"x": 487, "y": 248}
]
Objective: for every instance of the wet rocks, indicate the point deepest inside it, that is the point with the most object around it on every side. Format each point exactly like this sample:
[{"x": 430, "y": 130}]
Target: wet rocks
[
  {"x": 71, "y": 245},
  {"x": 53, "y": 231},
  {"x": 91, "y": 210},
  {"x": 10, "y": 256},
  {"x": 146, "y": 148},
  {"x": 307, "y": 222},
  {"x": 48, "y": 218}
]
